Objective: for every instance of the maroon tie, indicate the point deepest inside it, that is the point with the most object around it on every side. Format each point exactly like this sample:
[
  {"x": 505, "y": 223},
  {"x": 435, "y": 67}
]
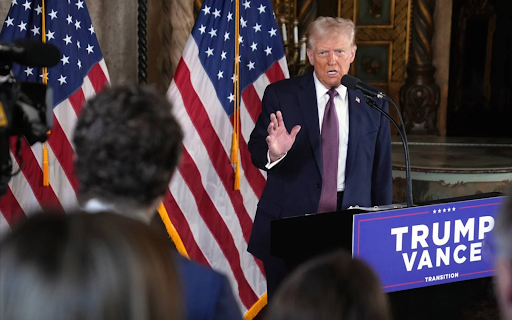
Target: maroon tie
[{"x": 330, "y": 150}]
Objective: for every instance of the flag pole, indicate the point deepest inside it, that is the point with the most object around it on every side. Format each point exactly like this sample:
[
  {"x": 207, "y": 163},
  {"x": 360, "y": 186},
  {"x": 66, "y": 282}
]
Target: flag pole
[
  {"x": 46, "y": 163},
  {"x": 236, "y": 111}
]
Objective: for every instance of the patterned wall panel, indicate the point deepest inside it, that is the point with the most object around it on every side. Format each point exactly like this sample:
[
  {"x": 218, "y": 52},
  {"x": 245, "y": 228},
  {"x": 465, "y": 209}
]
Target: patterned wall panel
[{"x": 382, "y": 38}]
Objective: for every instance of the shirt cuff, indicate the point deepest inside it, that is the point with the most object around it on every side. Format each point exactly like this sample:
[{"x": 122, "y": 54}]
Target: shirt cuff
[{"x": 269, "y": 164}]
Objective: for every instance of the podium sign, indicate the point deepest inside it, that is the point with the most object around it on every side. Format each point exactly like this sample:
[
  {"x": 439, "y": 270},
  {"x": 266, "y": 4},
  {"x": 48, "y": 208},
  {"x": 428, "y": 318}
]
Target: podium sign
[{"x": 428, "y": 245}]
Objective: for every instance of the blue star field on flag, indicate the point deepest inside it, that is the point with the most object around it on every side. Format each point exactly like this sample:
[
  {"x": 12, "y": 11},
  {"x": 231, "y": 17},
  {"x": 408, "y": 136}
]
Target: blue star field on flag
[
  {"x": 69, "y": 27},
  {"x": 260, "y": 44}
]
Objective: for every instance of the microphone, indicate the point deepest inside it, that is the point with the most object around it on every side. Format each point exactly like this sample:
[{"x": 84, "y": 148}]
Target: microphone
[
  {"x": 356, "y": 84},
  {"x": 30, "y": 52}
]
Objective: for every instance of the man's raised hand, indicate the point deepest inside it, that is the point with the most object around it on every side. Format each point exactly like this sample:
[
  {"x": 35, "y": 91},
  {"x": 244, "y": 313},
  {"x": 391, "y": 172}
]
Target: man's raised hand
[{"x": 279, "y": 141}]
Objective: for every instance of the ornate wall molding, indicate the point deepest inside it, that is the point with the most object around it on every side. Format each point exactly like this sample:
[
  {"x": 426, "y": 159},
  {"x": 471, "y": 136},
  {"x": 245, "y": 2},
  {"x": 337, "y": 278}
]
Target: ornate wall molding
[{"x": 419, "y": 97}]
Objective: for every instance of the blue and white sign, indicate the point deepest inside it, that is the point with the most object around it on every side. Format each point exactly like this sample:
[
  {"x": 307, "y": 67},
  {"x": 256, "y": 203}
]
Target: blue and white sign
[{"x": 428, "y": 245}]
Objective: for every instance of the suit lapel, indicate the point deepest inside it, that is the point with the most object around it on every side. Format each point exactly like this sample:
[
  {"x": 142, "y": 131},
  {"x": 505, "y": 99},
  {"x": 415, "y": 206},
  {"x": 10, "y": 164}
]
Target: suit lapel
[
  {"x": 309, "y": 109},
  {"x": 355, "y": 122}
]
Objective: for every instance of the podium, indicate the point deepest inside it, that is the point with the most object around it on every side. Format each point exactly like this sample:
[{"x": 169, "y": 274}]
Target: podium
[{"x": 299, "y": 239}]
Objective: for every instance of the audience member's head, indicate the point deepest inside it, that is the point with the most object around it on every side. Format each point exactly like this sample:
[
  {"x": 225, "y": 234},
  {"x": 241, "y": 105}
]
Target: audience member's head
[
  {"x": 127, "y": 146},
  {"x": 87, "y": 267},
  {"x": 334, "y": 287},
  {"x": 503, "y": 261}
]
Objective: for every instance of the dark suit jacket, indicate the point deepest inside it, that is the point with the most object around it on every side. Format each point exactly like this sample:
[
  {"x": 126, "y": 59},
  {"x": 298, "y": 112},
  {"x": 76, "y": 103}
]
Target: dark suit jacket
[
  {"x": 293, "y": 186},
  {"x": 208, "y": 295}
]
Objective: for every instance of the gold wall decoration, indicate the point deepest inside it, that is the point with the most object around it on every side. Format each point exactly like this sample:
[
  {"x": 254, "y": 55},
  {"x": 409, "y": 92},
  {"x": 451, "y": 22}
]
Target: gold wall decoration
[{"x": 394, "y": 28}]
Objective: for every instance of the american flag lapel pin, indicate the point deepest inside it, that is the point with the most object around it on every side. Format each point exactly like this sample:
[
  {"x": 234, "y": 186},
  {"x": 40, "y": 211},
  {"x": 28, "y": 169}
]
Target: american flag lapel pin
[{"x": 358, "y": 100}]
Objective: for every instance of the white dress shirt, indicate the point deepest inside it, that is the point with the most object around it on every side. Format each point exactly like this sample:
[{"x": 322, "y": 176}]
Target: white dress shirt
[{"x": 341, "y": 103}]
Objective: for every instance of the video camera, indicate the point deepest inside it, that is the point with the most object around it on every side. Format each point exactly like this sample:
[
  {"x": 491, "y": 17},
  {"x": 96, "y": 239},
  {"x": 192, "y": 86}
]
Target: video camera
[{"x": 25, "y": 107}]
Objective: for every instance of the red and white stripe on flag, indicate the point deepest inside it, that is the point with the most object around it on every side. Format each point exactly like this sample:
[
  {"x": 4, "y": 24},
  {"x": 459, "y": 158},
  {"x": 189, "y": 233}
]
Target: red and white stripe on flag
[
  {"x": 79, "y": 75},
  {"x": 213, "y": 220}
]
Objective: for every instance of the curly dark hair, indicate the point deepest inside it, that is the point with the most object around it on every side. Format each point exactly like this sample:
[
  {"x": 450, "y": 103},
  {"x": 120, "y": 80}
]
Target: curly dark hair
[{"x": 127, "y": 145}]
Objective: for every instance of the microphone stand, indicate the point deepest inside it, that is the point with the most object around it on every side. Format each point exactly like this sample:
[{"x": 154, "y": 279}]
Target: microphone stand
[{"x": 403, "y": 136}]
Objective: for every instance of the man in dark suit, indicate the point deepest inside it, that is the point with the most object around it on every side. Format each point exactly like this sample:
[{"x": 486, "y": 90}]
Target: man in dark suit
[
  {"x": 127, "y": 146},
  {"x": 333, "y": 152}
]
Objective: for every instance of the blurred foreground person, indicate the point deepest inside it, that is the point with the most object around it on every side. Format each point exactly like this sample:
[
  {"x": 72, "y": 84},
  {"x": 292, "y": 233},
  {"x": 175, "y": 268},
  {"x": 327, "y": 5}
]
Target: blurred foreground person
[
  {"x": 503, "y": 260},
  {"x": 87, "y": 267},
  {"x": 127, "y": 146},
  {"x": 334, "y": 287}
]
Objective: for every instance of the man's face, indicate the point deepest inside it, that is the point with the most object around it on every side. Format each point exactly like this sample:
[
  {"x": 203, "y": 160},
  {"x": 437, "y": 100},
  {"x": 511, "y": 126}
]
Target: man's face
[{"x": 331, "y": 57}]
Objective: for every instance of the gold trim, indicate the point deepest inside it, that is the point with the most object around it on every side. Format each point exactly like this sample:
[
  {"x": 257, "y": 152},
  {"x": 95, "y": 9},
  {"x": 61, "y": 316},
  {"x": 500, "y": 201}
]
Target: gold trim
[
  {"x": 256, "y": 308},
  {"x": 408, "y": 31}
]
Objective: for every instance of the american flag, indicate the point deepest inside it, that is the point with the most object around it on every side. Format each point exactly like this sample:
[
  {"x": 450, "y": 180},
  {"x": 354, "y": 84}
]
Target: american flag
[
  {"x": 213, "y": 220},
  {"x": 80, "y": 73}
]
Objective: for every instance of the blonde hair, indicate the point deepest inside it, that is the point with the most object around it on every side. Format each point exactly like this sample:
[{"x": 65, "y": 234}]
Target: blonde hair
[{"x": 324, "y": 27}]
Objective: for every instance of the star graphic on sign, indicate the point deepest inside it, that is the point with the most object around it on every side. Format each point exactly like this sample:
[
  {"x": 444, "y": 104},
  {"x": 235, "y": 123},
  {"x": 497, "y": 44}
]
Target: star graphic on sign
[
  {"x": 261, "y": 8},
  {"x": 206, "y": 10},
  {"x": 28, "y": 71},
  {"x": 65, "y": 60},
  {"x": 257, "y": 27},
  {"x": 231, "y": 97},
  {"x": 35, "y": 30},
  {"x": 77, "y": 24},
  {"x": 62, "y": 79},
  {"x": 79, "y": 64},
  {"x": 444, "y": 210},
  {"x": 453, "y": 209},
  {"x": 213, "y": 32},
  {"x": 272, "y": 32},
  {"x": 67, "y": 39},
  {"x": 434, "y": 211},
  {"x": 230, "y": 16},
  {"x": 268, "y": 50},
  {"x": 9, "y": 21},
  {"x": 50, "y": 35},
  {"x": 250, "y": 65},
  {"x": 220, "y": 75},
  {"x": 209, "y": 52},
  {"x": 39, "y": 9},
  {"x": 226, "y": 36},
  {"x": 223, "y": 55},
  {"x": 53, "y": 14},
  {"x": 216, "y": 13},
  {"x": 449, "y": 209},
  {"x": 80, "y": 5},
  {"x": 243, "y": 22},
  {"x": 27, "y": 5},
  {"x": 89, "y": 49},
  {"x": 69, "y": 19},
  {"x": 91, "y": 29},
  {"x": 22, "y": 26},
  {"x": 202, "y": 29},
  {"x": 254, "y": 46},
  {"x": 247, "y": 4}
]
